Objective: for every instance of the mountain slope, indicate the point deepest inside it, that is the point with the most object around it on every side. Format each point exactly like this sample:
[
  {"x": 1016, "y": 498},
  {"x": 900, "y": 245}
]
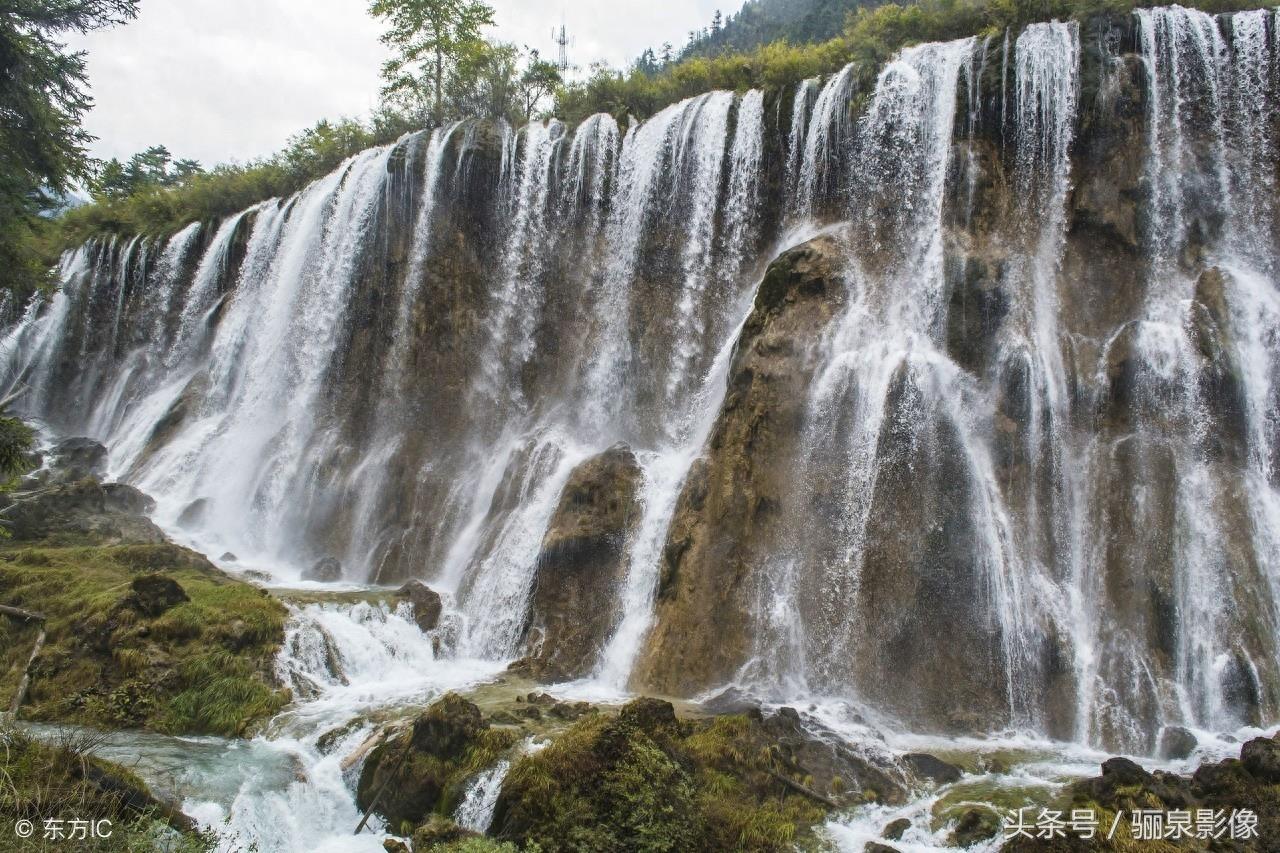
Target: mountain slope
[{"x": 763, "y": 21}]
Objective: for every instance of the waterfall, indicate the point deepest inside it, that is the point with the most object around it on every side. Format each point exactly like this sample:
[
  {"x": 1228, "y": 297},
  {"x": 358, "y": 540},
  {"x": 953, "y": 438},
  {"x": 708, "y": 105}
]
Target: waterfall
[
  {"x": 746, "y": 155},
  {"x": 796, "y": 140},
  {"x": 700, "y": 153},
  {"x": 901, "y": 147},
  {"x": 591, "y": 159},
  {"x": 818, "y": 175},
  {"x": 481, "y": 799},
  {"x": 518, "y": 297},
  {"x": 289, "y": 787},
  {"x": 1037, "y": 432}
]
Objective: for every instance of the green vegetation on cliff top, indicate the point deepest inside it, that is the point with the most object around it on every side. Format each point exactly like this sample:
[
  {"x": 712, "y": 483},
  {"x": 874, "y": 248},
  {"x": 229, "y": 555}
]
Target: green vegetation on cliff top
[
  {"x": 200, "y": 666},
  {"x": 870, "y": 37}
]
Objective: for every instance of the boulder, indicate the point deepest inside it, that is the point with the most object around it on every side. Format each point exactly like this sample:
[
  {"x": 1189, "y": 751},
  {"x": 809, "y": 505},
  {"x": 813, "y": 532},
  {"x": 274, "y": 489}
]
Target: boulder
[
  {"x": 193, "y": 514},
  {"x": 1261, "y": 757},
  {"x": 731, "y": 700},
  {"x": 1177, "y": 743},
  {"x": 425, "y": 769},
  {"x": 934, "y": 769},
  {"x": 84, "y": 511},
  {"x": 74, "y": 459},
  {"x": 975, "y": 825},
  {"x": 896, "y": 829},
  {"x": 581, "y": 567},
  {"x": 154, "y": 594},
  {"x": 440, "y": 832},
  {"x": 324, "y": 570},
  {"x": 426, "y": 603}
]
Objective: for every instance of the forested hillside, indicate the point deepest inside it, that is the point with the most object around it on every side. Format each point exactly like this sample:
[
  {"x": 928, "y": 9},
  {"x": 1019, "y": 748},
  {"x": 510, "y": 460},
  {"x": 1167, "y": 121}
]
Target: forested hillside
[{"x": 763, "y": 21}]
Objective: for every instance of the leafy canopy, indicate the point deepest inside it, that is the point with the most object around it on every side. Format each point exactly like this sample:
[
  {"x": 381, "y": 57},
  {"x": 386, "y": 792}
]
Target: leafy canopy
[
  {"x": 428, "y": 38},
  {"x": 43, "y": 98}
]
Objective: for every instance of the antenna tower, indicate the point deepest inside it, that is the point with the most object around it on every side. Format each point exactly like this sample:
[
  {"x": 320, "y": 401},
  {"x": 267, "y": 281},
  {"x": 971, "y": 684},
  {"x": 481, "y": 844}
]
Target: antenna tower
[{"x": 561, "y": 38}]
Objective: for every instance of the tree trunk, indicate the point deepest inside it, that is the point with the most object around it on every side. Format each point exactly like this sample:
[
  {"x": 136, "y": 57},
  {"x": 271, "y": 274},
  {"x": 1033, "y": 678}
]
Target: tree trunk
[{"x": 439, "y": 110}]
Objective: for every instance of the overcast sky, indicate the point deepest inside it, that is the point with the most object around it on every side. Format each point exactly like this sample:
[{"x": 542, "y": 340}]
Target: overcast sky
[{"x": 221, "y": 80}]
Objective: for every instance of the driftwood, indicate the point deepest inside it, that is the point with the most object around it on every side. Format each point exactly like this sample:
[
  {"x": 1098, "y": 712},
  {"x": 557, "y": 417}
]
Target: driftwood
[
  {"x": 12, "y": 398},
  {"x": 19, "y": 613},
  {"x": 24, "y": 683},
  {"x": 808, "y": 792}
]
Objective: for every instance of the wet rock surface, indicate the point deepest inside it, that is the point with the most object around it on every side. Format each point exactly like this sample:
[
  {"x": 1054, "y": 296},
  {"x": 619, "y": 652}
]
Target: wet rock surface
[
  {"x": 726, "y": 523},
  {"x": 324, "y": 570},
  {"x": 581, "y": 567},
  {"x": 1248, "y": 784},
  {"x": 1177, "y": 743},
  {"x": 426, "y": 604},
  {"x": 73, "y": 459}
]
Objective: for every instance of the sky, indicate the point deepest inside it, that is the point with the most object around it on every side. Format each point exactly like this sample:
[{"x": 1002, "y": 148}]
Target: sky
[{"x": 231, "y": 80}]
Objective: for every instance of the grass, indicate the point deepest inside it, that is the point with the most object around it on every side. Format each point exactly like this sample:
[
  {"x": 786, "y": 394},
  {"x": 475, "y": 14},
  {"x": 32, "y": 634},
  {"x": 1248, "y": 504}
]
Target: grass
[
  {"x": 49, "y": 780},
  {"x": 201, "y": 667}
]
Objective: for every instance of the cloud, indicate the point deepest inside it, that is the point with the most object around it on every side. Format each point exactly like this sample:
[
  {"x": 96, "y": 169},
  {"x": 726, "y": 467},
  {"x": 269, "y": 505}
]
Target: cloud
[{"x": 221, "y": 80}]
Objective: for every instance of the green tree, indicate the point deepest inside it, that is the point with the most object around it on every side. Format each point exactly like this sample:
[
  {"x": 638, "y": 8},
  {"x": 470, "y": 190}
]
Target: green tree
[
  {"x": 428, "y": 37},
  {"x": 42, "y": 100},
  {"x": 483, "y": 82},
  {"x": 154, "y": 167},
  {"x": 539, "y": 80}
]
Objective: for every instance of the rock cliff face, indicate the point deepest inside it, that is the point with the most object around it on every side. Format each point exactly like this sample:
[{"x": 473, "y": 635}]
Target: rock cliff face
[
  {"x": 727, "y": 520},
  {"x": 582, "y": 565},
  {"x": 948, "y": 390}
]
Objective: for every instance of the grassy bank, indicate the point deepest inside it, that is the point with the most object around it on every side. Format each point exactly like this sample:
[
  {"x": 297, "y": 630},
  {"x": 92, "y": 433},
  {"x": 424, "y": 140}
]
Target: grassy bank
[
  {"x": 62, "y": 781},
  {"x": 115, "y": 660}
]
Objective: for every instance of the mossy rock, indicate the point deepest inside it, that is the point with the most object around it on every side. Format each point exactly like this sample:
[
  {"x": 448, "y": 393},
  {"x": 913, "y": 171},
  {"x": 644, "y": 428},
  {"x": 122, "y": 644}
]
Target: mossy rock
[
  {"x": 647, "y": 780},
  {"x": 425, "y": 769},
  {"x": 1124, "y": 787},
  {"x": 141, "y": 636}
]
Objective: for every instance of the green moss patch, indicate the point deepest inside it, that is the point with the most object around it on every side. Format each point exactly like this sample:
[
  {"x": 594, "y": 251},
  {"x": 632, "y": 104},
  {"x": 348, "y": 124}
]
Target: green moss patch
[
  {"x": 646, "y": 781},
  {"x": 198, "y": 666}
]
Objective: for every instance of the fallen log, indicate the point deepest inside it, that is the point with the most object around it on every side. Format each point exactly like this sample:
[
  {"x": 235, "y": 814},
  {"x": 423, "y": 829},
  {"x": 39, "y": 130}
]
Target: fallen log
[
  {"x": 808, "y": 792},
  {"x": 25, "y": 682},
  {"x": 19, "y": 613}
]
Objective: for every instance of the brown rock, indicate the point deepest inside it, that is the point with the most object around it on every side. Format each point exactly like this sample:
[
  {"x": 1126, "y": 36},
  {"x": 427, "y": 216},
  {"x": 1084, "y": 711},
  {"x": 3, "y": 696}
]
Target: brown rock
[
  {"x": 726, "y": 521},
  {"x": 582, "y": 566},
  {"x": 426, "y": 602}
]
